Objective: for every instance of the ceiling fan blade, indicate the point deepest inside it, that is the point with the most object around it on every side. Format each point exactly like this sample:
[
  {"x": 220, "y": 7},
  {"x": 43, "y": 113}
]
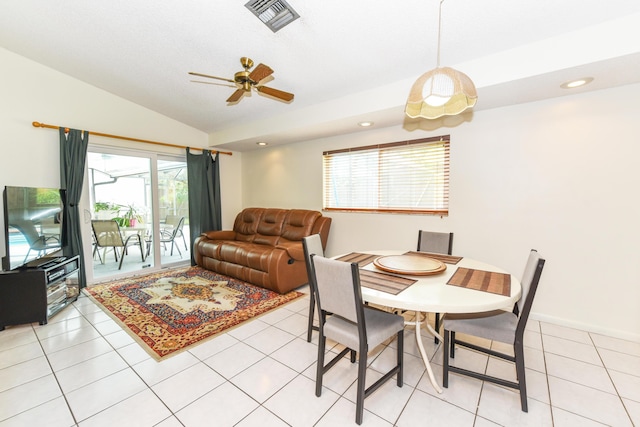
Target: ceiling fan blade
[
  {"x": 211, "y": 77},
  {"x": 212, "y": 83},
  {"x": 260, "y": 72},
  {"x": 282, "y": 95},
  {"x": 235, "y": 96}
]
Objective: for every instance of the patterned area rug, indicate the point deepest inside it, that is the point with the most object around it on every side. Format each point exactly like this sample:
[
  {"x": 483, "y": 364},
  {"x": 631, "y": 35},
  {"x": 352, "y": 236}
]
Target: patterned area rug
[{"x": 171, "y": 311}]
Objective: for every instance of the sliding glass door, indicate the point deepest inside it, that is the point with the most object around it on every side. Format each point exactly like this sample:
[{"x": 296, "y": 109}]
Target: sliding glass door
[
  {"x": 136, "y": 213},
  {"x": 173, "y": 212}
]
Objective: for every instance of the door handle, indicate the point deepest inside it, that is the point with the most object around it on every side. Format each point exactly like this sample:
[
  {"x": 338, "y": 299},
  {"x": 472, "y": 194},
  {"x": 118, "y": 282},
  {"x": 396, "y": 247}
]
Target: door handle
[{"x": 87, "y": 216}]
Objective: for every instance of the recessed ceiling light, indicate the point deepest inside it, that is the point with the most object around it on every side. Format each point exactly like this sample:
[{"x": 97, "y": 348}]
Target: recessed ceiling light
[
  {"x": 576, "y": 83},
  {"x": 365, "y": 124},
  {"x": 262, "y": 144}
]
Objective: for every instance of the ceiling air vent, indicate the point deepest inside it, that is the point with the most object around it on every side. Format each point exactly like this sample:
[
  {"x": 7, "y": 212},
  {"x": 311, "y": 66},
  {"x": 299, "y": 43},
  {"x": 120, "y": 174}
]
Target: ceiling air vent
[{"x": 274, "y": 13}]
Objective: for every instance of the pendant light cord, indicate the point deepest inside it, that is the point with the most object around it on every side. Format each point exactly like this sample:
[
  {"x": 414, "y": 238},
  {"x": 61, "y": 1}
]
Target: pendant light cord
[{"x": 439, "y": 27}]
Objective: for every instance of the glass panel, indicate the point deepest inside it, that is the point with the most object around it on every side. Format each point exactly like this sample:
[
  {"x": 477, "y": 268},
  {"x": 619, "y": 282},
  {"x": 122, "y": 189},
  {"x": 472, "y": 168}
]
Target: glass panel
[
  {"x": 122, "y": 213},
  {"x": 173, "y": 212}
]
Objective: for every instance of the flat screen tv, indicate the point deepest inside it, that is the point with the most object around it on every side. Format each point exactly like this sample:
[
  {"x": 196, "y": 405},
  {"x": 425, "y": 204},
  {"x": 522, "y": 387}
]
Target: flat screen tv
[{"x": 32, "y": 225}]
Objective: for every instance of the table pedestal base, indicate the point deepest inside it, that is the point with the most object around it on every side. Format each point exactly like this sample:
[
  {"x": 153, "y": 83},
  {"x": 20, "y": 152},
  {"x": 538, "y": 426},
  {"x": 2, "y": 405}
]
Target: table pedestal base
[{"x": 425, "y": 358}]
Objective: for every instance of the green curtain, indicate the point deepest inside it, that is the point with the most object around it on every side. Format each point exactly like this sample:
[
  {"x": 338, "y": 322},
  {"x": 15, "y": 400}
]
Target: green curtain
[
  {"x": 73, "y": 155},
  {"x": 205, "y": 210}
]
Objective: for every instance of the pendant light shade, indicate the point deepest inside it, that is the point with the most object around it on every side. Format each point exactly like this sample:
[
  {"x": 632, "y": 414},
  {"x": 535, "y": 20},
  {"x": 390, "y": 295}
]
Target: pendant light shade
[{"x": 442, "y": 91}]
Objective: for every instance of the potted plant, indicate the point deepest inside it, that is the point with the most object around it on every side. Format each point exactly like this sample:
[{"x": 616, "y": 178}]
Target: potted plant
[{"x": 131, "y": 216}]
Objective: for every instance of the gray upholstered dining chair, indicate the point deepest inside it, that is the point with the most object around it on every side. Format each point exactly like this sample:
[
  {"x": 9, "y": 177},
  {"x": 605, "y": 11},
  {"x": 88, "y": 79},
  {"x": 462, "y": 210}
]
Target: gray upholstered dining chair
[
  {"x": 503, "y": 326},
  {"x": 358, "y": 327},
  {"x": 312, "y": 245},
  {"x": 439, "y": 243},
  {"x": 436, "y": 242}
]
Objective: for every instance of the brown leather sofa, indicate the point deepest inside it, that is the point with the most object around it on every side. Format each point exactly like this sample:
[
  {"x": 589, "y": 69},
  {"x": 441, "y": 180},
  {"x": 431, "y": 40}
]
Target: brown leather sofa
[{"x": 264, "y": 248}]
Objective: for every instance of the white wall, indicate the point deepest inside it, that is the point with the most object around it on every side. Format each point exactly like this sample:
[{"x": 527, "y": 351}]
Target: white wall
[
  {"x": 558, "y": 175},
  {"x": 30, "y": 156}
]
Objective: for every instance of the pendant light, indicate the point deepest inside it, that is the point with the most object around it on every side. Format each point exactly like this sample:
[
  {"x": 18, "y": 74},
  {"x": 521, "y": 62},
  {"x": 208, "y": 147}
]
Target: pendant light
[{"x": 442, "y": 91}]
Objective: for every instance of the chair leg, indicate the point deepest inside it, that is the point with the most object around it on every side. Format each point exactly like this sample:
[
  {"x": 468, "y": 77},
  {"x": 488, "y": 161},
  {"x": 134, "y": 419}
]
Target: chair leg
[
  {"x": 362, "y": 371},
  {"x": 520, "y": 372},
  {"x": 312, "y": 309},
  {"x": 121, "y": 259},
  {"x": 453, "y": 344},
  {"x": 400, "y": 358},
  {"x": 320, "y": 365},
  {"x": 437, "y": 328},
  {"x": 445, "y": 359}
]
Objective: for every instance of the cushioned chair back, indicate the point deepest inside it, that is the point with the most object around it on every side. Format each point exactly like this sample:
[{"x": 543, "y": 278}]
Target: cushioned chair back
[
  {"x": 436, "y": 242},
  {"x": 527, "y": 276},
  {"x": 530, "y": 280},
  {"x": 337, "y": 292},
  {"x": 312, "y": 245}
]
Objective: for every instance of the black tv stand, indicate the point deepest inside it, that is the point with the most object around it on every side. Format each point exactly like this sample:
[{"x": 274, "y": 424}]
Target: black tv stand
[
  {"x": 37, "y": 291},
  {"x": 44, "y": 262}
]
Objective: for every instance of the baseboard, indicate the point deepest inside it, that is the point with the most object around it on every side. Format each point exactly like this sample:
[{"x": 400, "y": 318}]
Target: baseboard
[{"x": 615, "y": 333}]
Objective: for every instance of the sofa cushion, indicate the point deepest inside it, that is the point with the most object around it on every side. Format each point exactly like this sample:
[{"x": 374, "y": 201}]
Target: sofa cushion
[
  {"x": 246, "y": 254},
  {"x": 270, "y": 226},
  {"x": 246, "y": 224},
  {"x": 299, "y": 224}
]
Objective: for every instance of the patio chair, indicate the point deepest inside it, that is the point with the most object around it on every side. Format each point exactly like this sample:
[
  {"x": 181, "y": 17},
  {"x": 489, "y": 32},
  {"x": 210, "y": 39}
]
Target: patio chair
[
  {"x": 169, "y": 234},
  {"x": 108, "y": 235},
  {"x": 439, "y": 243},
  {"x": 36, "y": 241},
  {"x": 503, "y": 326},
  {"x": 356, "y": 326}
]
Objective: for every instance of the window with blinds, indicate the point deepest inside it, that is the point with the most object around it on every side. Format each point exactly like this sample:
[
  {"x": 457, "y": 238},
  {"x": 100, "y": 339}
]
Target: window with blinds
[{"x": 408, "y": 176}]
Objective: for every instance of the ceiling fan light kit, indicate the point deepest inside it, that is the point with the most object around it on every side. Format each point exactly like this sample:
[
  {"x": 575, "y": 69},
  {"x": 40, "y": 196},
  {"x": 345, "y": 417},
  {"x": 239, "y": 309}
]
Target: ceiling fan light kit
[{"x": 442, "y": 91}]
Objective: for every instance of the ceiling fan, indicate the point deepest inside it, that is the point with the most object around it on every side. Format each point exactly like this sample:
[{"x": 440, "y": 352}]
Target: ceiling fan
[{"x": 245, "y": 80}]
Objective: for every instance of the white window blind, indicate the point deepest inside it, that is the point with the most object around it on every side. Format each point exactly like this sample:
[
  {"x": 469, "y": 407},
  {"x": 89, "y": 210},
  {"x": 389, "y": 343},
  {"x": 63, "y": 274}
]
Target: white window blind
[{"x": 407, "y": 176}]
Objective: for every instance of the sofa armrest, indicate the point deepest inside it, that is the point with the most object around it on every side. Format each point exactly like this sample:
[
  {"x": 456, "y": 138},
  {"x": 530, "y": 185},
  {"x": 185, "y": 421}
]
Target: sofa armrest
[
  {"x": 220, "y": 235},
  {"x": 293, "y": 249}
]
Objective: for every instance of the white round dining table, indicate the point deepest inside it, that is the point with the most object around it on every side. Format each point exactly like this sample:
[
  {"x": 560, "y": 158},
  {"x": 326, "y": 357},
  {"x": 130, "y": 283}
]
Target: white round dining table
[{"x": 432, "y": 294}]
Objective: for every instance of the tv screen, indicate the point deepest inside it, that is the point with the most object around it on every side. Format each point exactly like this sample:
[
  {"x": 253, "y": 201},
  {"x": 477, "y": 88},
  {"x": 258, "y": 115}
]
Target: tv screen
[{"x": 33, "y": 224}]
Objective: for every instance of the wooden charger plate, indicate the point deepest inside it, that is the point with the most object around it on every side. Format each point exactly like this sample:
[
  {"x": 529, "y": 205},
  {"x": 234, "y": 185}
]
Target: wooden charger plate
[{"x": 414, "y": 265}]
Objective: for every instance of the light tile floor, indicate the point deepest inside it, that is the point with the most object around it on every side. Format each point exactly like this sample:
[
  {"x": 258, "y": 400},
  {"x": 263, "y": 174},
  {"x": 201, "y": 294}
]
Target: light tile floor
[{"x": 82, "y": 369}]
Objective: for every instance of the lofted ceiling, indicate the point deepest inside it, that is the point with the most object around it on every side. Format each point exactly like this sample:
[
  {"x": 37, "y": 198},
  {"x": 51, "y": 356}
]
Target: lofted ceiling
[{"x": 345, "y": 61}]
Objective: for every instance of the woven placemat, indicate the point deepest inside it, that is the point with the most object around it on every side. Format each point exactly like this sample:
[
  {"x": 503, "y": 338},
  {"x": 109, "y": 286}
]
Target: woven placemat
[
  {"x": 447, "y": 259},
  {"x": 384, "y": 282},
  {"x": 480, "y": 280},
  {"x": 360, "y": 258}
]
